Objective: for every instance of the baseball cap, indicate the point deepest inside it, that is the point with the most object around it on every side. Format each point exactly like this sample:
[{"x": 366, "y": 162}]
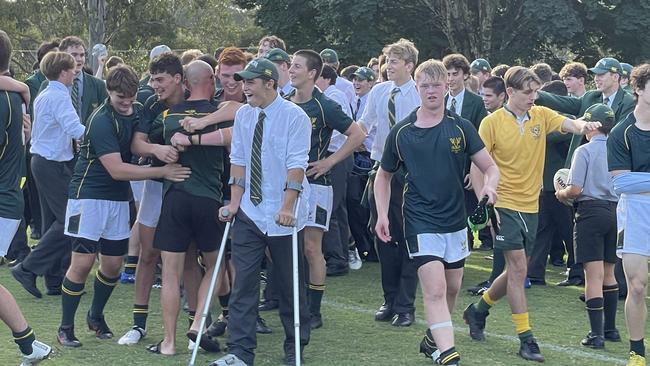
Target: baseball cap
[
  {"x": 258, "y": 68},
  {"x": 600, "y": 113},
  {"x": 278, "y": 55},
  {"x": 158, "y": 50},
  {"x": 329, "y": 56},
  {"x": 365, "y": 73},
  {"x": 480, "y": 64},
  {"x": 626, "y": 68},
  {"x": 607, "y": 64}
]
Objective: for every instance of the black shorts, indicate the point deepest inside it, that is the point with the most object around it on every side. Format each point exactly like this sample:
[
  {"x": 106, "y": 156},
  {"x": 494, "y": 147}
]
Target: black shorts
[
  {"x": 421, "y": 260},
  {"x": 594, "y": 233},
  {"x": 115, "y": 248},
  {"x": 185, "y": 218}
]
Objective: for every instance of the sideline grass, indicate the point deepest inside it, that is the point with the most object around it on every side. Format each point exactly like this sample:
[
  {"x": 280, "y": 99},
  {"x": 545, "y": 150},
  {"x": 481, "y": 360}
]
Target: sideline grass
[{"x": 350, "y": 335}]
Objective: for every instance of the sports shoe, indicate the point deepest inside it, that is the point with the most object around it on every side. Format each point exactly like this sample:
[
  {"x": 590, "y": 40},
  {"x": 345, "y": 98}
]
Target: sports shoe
[
  {"x": 612, "y": 335},
  {"x": 190, "y": 345},
  {"x": 228, "y": 360},
  {"x": 428, "y": 345},
  {"x": 157, "y": 284},
  {"x": 529, "y": 350},
  {"x": 476, "y": 322},
  {"x": 40, "y": 351},
  {"x": 527, "y": 283},
  {"x": 354, "y": 260},
  {"x": 593, "y": 341},
  {"x": 480, "y": 288},
  {"x": 127, "y": 278},
  {"x": 133, "y": 336},
  {"x": 636, "y": 360},
  {"x": 66, "y": 337},
  {"x": 99, "y": 326},
  {"x": 218, "y": 328}
]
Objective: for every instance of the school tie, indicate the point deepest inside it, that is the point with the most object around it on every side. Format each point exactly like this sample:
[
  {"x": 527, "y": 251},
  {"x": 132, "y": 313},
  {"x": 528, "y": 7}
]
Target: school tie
[
  {"x": 356, "y": 111},
  {"x": 256, "y": 161},
  {"x": 391, "y": 108},
  {"x": 281, "y": 93},
  {"x": 453, "y": 104},
  {"x": 75, "y": 96},
  {"x": 606, "y": 101}
]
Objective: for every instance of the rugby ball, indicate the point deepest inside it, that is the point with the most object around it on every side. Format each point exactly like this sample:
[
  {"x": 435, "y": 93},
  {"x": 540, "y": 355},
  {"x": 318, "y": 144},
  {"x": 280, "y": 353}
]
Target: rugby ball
[{"x": 561, "y": 180}]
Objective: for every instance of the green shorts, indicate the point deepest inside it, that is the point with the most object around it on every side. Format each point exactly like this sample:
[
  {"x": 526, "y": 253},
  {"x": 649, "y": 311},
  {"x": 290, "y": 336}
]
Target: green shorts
[{"x": 516, "y": 231}]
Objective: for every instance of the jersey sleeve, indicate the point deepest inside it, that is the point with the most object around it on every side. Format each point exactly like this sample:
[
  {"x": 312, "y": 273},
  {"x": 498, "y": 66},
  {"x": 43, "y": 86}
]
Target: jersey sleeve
[
  {"x": 102, "y": 137},
  {"x": 579, "y": 165},
  {"x": 553, "y": 120},
  {"x": 391, "y": 159},
  {"x": 618, "y": 152},
  {"x": 486, "y": 133},
  {"x": 335, "y": 118},
  {"x": 473, "y": 142}
]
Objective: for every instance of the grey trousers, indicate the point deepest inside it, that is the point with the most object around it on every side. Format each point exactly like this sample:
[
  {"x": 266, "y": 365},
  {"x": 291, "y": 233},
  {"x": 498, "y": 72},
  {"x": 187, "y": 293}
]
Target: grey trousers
[{"x": 336, "y": 239}]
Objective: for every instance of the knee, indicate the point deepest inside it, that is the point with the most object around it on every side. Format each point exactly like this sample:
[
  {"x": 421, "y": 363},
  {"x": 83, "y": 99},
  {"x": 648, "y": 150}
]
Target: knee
[
  {"x": 453, "y": 289},
  {"x": 313, "y": 252},
  {"x": 435, "y": 294},
  {"x": 637, "y": 287},
  {"x": 517, "y": 269},
  {"x": 148, "y": 257}
]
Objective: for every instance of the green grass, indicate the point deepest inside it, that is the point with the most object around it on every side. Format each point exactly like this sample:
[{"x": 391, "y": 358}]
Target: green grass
[{"x": 350, "y": 335}]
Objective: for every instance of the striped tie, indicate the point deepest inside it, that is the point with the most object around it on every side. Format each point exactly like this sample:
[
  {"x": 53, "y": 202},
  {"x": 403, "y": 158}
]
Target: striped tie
[
  {"x": 453, "y": 104},
  {"x": 391, "y": 107},
  {"x": 75, "y": 95},
  {"x": 256, "y": 161}
]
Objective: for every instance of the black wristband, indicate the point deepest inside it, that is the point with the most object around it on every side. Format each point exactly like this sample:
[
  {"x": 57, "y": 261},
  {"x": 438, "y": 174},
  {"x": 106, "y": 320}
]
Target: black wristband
[{"x": 189, "y": 137}]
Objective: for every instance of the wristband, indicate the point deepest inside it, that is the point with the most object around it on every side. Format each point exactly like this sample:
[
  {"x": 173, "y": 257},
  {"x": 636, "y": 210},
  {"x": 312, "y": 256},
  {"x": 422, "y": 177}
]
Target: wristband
[
  {"x": 189, "y": 137},
  {"x": 293, "y": 185},
  {"x": 238, "y": 181},
  {"x": 200, "y": 138}
]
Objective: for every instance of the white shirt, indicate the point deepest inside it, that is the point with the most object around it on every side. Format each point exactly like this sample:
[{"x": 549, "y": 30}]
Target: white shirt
[
  {"x": 459, "y": 101},
  {"x": 285, "y": 145},
  {"x": 347, "y": 88},
  {"x": 338, "y": 139},
  {"x": 286, "y": 89},
  {"x": 56, "y": 123},
  {"x": 611, "y": 99},
  {"x": 361, "y": 102},
  {"x": 375, "y": 115}
]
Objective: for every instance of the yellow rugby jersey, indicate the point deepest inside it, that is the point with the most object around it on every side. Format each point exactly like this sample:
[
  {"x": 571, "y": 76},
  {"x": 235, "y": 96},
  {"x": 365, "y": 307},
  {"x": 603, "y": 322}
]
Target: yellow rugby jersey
[{"x": 518, "y": 150}]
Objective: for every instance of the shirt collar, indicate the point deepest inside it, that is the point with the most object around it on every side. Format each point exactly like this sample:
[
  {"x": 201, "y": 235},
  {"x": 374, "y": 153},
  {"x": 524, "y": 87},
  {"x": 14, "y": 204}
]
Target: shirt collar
[
  {"x": 611, "y": 97},
  {"x": 522, "y": 119},
  {"x": 79, "y": 77},
  {"x": 404, "y": 88},
  {"x": 459, "y": 96},
  {"x": 58, "y": 85},
  {"x": 271, "y": 108},
  {"x": 599, "y": 138}
]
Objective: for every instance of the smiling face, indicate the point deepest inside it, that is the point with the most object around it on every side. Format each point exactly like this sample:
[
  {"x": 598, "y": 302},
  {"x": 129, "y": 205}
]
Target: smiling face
[
  {"x": 232, "y": 88},
  {"x": 456, "y": 79},
  {"x": 361, "y": 86},
  {"x": 606, "y": 82},
  {"x": 398, "y": 70},
  {"x": 259, "y": 92},
  {"x": 165, "y": 85},
  {"x": 299, "y": 73},
  {"x": 79, "y": 54},
  {"x": 121, "y": 103}
]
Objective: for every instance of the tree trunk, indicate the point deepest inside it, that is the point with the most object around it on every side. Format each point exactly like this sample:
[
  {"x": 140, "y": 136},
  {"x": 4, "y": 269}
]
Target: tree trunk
[{"x": 96, "y": 26}]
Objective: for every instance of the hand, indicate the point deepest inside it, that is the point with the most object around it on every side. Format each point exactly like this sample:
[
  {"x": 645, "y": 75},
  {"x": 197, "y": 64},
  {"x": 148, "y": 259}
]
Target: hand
[
  {"x": 590, "y": 126},
  {"x": 101, "y": 60},
  {"x": 468, "y": 183},
  {"x": 361, "y": 148},
  {"x": 562, "y": 197},
  {"x": 228, "y": 212},
  {"x": 382, "y": 229},
  {"x": 285, "y": 218},
  {"x": 180, "y": 139},
  {"x": 176, "y": 172},
  {"x": 490, "y": 192},
  {"x": 167, "y": 154},
  {"x": 77, "y": 145},
  {"x": 27, "y": 127},
  {"x": 319, "y": 168},
  {"x": 191, "y": 124}
]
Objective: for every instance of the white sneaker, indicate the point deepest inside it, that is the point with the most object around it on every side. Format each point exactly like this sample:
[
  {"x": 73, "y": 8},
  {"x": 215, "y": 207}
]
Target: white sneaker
[
  {"x": 40, "y": 352},
  {"x": 190, "y": 345},
  {"x": 354, "y": 260},
  {"x": 133, "y": 336}
]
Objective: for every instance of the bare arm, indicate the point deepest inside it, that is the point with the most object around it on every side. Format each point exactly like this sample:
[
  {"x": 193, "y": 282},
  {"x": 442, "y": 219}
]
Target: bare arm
[
  {"x": 141, "y": 146},
  {"x": 382, "y": 198},
  {"x": 355, "y": 137},
  {"x": 568, "y": 193},
  {"x": 10, "y": 84},
  {"x": 220, "y": 137},
  {"x": 484, "y": 175},
  {"x": 120, "y": 170},
  {"x": 285, "y": 215},
  {"x": 226, "y": 112},
  {"x": 579, "y": 127}
]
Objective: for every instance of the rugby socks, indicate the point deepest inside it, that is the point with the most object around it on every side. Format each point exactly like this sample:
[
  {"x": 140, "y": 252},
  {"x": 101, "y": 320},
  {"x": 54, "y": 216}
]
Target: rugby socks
[
  {"x": 485, "y": 303},
  {"x": 70, "y": 296},
  {"x": 449, "y": 357},
  {"x": 315, "y": 298},
  {"x": 24, "y": 340},
  {"x": 610, "y": 303},
  {"x": 595, "y": 311},
  {"x": 131, "y": 264},
  {"x": 498, "y": 264},
  {"x": 103, "y": 289},
  {"x": 140, "y": 314},
  {"x": 637, "y": 347},
  {"x": 522, "y": 326},
  {"x": 223, "y": 301}
]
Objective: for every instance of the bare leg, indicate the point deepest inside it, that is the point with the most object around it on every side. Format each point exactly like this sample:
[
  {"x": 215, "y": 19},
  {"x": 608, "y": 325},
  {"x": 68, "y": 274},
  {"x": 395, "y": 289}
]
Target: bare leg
[
  {"x": 436, "y": 310},
  {"x": 454, "y": 279},
  {"x": 636, "y": 273},
  {"x": 170, "y": 298}
]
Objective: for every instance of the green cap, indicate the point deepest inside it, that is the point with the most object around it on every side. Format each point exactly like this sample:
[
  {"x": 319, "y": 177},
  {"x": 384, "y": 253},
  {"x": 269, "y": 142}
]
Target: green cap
[
  {"x": 258, "y": 68},
  {"x": 480, "y": 64},
  {"x": 600, "y": 113},
  {"x": 607, "y": 64},
  {"x": 365, "y": 73},
  {"x": 278, "y": 55},
  {"x": 627, "y": 69},
  {"x": 329, "y": 56}
]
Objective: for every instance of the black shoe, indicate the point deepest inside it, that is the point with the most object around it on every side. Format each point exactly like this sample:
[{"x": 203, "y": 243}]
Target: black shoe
[
  {"x": 290, "y": 358},
  {"x": 261, "y": 327},
  {"x": 529, "y": 350},
  {"x": 476, "y": 322},
  {"x": 35, "y": 235},
  {"x": 218, "y": 327},
  {"x": 335, "y": 270},
  {"x": 384, "y": 314},
  {"x": 479, "y": 288},
  {"x": 27, "y": 280},
  {"x": 537, "y": 282},
  {"x": 581, "y": 297},
  {"x": 268, "y": 305},
  {"x": 428, "y": 345},
  {"x": 66, "y": 337},
  {"x": 571, "y": 282},
  {"x": 99, "y": 326},
  {"x": 53, "y": 291},
  {"x": 612, "y": 335},
  {"x": 403, "y": 320},
  {"x": 316, "y": 321},
  {"x": 208, "y": 343},
  {"x": 593, "y": 341}
]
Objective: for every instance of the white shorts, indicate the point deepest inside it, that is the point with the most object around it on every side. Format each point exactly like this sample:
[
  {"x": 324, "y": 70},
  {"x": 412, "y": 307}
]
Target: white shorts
[
  {"x": 149, "y": 210},
  {"x": 137, "y": 186},
  {"x": 451, "y": 247},
  {"x": 8, "y": 229},
  {"x": 633, "y": 224},
  {"x": 321, "y": 199},
  {"x": 95, "y": 219}
]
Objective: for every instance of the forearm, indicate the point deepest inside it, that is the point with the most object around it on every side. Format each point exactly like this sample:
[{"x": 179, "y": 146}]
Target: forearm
[
  {"x": 478, "y": 179},
  {"x": 382, "y": 192},
  {"x": 291, "y": 195},
  {"x": 573, "y": 126},
  {"x": 126, "y": 171},
  {"x": 220, "y": 137},
  {"x": 355, "y": 137},
  {"x": 141, "y": 147},
  {"x": 236, "y": 191},
  {"x": 492, "y": 176},
  {"x": 226, "y": 112},
  {"x": 631, "y": 183},
  {"x": 10, "y": 84}
]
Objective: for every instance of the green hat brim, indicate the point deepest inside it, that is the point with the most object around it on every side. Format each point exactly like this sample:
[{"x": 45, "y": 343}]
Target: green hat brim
[
  {"x": 246, "y": 75},
  {"x": 599, "y": 70}
]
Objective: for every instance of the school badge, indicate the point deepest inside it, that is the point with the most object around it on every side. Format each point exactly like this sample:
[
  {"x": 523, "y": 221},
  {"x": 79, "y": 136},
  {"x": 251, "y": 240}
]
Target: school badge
[
  {"x": 455, "y": 144},
  {"x": 536, "y": 131}
]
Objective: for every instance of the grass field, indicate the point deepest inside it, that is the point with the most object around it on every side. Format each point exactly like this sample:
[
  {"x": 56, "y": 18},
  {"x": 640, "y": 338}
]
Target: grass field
[{"x": 350, "y": 335}]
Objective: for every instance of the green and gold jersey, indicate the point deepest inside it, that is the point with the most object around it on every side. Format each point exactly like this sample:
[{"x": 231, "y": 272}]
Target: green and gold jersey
[
  {"x": 12, "y": 155},
  {"x": 628, "y": 147}
]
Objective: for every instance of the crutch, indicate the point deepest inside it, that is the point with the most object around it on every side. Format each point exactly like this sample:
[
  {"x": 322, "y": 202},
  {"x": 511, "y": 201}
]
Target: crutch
[
  {"x": 296, "y": 283},
  {"x": 213, "y": 282}
]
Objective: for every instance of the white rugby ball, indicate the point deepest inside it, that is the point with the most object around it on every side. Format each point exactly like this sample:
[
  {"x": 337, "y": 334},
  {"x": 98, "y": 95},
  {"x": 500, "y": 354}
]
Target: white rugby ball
[{"x": 561, "y": 180}]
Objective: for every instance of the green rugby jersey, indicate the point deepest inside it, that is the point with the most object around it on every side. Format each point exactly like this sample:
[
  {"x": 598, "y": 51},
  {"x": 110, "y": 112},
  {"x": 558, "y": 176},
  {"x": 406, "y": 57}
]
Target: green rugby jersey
[
  {"x": 628, "y": 147},
  {"x": 12, "y": 155},
  {"x": 326, "y": 116}
]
